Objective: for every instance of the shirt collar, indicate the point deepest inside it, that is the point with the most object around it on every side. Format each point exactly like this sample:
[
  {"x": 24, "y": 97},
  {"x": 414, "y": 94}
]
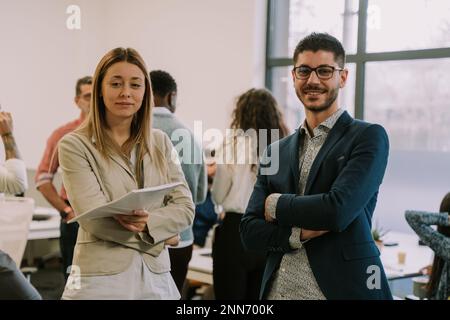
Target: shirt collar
[
  {"x": 161, "y": 110},
  {"x": 325, "y": 126}
]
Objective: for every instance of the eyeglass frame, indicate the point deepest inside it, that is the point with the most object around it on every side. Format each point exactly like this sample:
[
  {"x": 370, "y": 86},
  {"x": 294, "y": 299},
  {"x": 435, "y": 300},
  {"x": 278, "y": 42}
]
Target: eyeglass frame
[{"x": 315, "y": 70}]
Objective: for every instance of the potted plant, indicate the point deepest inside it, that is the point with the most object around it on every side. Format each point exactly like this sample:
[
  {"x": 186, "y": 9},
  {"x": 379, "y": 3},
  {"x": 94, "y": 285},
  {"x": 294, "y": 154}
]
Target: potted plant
[{"x": 377, "y": 234}]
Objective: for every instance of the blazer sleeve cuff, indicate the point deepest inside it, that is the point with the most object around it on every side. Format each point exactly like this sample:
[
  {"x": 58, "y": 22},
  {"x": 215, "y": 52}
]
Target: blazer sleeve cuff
[
  {"x": 145, "y": 237},
  {"x": 283, "y": 207}
]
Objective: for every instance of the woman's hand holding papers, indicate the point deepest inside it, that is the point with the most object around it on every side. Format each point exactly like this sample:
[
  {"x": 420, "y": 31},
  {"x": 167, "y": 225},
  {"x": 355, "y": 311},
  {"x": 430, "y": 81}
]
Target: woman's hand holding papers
[{"x": 136, "y": 222}]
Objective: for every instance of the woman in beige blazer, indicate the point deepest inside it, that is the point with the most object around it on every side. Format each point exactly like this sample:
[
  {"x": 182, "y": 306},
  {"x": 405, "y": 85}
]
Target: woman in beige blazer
[{"x": 113, "y": 152}]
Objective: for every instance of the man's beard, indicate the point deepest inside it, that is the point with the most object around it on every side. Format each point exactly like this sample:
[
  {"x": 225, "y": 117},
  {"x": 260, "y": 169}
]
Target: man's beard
[{"x": 332, "y": 96}]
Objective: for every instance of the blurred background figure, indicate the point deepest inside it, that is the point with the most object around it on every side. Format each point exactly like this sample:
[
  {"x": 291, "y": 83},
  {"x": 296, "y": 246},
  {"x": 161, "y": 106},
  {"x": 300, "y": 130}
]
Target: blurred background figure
[
  {"x": 191, "y": 156},
  {"x": 205, "y": 215},
  {"x": 13, "y": 180},
  {"x": 438, "y": 287},
  {"x": 238, "y": 273},
  {"x": 49, "y": 166}
]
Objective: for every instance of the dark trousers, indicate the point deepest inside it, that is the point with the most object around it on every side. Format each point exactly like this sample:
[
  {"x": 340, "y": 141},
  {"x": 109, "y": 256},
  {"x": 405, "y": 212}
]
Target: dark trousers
[
  {"x": 179, "y": 263},
  {"x": 237, "y": 273},
  {"x": 67, "y": 241},
  {"x": 13, "y": 284}
]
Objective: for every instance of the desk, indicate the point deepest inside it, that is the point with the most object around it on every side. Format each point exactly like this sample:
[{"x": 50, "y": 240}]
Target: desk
[
  {"x": 45, "y": 229},
  {"x": 417, "y": 257},
  {"x": 200, "y": 266}
]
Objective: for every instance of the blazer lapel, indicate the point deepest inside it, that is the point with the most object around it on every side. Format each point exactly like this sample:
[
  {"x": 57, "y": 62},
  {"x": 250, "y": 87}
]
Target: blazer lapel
[
  {"x": 334, "y": 135},
  {"x": 122, "y": 163}
]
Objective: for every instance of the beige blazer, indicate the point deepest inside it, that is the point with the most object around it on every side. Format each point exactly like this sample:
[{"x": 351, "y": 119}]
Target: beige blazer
[{"x": 103, "y": 246}]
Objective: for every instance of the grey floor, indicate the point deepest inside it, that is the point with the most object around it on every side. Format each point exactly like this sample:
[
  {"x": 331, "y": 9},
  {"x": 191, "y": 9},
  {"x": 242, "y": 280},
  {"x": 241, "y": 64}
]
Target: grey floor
[{"x": 49, "y": 280}]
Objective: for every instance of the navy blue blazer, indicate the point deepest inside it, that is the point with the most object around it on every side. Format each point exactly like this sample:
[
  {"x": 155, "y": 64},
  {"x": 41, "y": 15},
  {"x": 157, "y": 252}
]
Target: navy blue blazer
[{"x": 340, "y": 196}]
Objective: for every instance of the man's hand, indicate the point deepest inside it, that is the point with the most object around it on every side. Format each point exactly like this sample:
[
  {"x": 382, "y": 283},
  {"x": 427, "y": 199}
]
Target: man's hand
[
  {"x": 426, "y": 270},
  {"x": 309, "y": 234},
  {"x": 69, "y": 215},
  {"x": 6, "y": 123},
  {"x": 267, "y": 215},
  {"x": 136, "y": 222}
]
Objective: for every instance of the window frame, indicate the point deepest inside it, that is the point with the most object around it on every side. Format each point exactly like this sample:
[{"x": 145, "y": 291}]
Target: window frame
[{"x": 360, "y": 58}]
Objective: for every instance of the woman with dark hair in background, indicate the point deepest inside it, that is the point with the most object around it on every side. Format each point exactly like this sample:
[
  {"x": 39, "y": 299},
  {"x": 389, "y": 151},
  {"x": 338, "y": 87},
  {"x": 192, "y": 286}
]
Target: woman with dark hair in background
[
  {"x": 438, "y": 287},
  {"x": 237, "y": 273}
]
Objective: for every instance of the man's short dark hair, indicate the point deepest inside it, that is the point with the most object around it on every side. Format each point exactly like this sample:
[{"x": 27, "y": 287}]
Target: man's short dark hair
[
  {"x": 162, "y": 83},
  {"x": 80, "y": 82},
  {"x": 321, "y": 41}
]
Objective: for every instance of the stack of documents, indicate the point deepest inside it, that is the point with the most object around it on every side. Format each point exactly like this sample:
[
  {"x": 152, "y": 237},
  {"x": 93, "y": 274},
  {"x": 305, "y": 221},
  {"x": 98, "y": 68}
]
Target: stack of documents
[{"x": 147, "y": 198}]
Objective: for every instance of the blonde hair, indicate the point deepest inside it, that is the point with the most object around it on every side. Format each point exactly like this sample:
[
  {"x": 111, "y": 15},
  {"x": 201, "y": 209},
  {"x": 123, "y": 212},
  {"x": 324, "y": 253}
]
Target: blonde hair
[{"x": 95, "y": 124}]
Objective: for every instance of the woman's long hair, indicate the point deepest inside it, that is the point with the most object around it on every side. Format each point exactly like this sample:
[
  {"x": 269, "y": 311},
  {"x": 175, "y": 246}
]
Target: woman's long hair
[
  {"x": 438, "y": 262},
  {"x": 95, "y": 124},
  {"x": 257, "y": 109}
]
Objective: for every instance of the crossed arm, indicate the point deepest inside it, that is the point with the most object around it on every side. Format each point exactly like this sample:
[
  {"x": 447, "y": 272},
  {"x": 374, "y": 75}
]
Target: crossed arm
[{"x": 331, "y": 211}]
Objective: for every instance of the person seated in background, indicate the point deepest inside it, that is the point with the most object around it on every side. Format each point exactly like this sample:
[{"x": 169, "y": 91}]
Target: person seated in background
[
  {"x": 13, "y": 180},
  {"x": 205, "y": 215},
  {"x": 438, "y": 287},
  {"x": 13, "y": 174}
]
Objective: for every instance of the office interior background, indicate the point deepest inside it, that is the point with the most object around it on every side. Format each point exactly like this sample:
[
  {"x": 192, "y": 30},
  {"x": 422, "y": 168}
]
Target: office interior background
[{"x": 398, "y": 58}]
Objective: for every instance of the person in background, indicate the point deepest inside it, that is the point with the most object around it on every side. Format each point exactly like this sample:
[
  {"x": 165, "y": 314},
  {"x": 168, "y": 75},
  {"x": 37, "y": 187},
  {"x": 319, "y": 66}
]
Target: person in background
[
  {"x": 13, "y": 180},
  {"x": 164, "y": 94},
  {"x": 205, "y": 215},
  {"x": 237, "y": 273},
  {"x": 49, "y": 166},
  {"x": 13, "y": 174},
  {"x": 114, "y": 152},
  {"x": 438, "y": 287}
]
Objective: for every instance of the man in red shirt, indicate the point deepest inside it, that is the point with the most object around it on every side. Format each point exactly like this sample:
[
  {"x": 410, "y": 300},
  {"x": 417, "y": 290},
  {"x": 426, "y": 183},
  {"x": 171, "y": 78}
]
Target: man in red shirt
[{"x": 49, "y": 166}]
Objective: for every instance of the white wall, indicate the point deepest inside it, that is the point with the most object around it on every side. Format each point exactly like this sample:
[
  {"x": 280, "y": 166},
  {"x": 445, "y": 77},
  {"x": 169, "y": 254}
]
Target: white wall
[
  {"x": 413, "y": 181},
  {"x": 215, "y": 49}
]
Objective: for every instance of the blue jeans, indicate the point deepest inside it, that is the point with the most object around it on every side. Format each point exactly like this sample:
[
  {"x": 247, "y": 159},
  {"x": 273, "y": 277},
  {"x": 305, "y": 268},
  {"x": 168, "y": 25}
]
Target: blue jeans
[{"x": 13, "y": 284}]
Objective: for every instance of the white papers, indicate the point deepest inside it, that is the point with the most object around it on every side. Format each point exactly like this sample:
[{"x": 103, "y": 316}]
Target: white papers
[{"x": 147, "y": 198}]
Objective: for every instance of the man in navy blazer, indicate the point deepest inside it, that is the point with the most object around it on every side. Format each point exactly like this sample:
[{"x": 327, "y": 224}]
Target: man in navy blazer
[{"x": 313, "y": 214}]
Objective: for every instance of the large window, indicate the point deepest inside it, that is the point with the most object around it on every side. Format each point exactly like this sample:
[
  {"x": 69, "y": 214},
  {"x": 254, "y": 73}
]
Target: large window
[{"x": 398, "y": 55}]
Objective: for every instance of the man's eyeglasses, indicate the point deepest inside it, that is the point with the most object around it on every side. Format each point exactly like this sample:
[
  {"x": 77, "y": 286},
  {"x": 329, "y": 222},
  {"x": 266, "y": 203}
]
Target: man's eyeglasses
[{"x": 322, "y": 72}]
